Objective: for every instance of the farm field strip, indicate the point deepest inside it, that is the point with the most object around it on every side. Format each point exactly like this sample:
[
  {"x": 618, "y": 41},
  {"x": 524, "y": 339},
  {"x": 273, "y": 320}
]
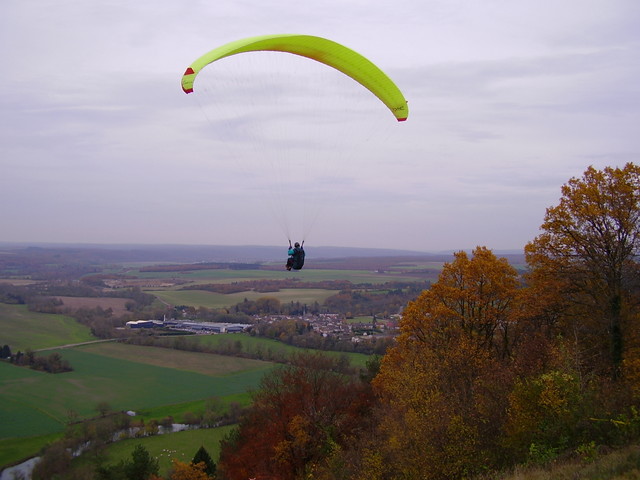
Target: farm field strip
[
  {"x": 305, "y": 275},
  {"x": 201, "y": 298},
  {"x": 252, "y": 344},
  {"x": 118, "y": 305},
  {"x": 177, "y": 410},
  {"x": 206, "y": 364}
]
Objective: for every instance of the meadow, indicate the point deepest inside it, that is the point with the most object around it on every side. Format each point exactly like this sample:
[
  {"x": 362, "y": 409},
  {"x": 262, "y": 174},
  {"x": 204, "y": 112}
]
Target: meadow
[
  {"x": 22, "y": 329},
  {"x": 181, "y": 446}
]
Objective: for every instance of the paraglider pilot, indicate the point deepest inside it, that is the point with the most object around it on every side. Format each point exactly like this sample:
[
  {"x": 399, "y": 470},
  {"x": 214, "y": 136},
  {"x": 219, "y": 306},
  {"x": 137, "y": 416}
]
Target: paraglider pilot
[{"x": 296, "y": 256}]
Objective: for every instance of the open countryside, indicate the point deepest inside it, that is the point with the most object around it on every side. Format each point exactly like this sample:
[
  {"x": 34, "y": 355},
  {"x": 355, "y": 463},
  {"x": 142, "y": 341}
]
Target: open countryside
[
  {"x": 36, "y": 403},
  {"x": 155, "y": 382},
  {"x": 236, "y": 391}
]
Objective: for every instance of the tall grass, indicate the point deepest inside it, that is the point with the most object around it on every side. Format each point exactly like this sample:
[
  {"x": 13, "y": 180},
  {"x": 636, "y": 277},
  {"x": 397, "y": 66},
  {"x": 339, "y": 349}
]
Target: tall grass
[{"x": 622, "y": 464}]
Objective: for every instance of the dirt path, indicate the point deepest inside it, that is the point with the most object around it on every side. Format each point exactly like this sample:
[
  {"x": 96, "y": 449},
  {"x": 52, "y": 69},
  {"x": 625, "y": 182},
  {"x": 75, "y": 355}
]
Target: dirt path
[{"x": 70, "y": 345}]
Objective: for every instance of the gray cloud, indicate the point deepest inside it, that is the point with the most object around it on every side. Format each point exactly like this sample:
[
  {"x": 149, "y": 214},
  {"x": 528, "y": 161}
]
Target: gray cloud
[{"x": 508, "y": 101}]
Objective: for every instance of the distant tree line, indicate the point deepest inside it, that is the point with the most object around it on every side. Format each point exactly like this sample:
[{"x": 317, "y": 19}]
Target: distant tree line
[
  {"x": 45, "y": 264},
  {"x": 191, "y": 267},
  {"x": 269, "y": 285},
  {"x": 39, "y": 295}
]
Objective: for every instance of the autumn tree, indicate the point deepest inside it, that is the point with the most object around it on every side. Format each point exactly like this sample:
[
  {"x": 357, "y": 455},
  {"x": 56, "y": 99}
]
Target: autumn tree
[
  {"x": 445, "y": 384},
  {"x": 584, "y": 263},
  {"x": 300, "y": 414},
  {"x": 188, "y": 471}
]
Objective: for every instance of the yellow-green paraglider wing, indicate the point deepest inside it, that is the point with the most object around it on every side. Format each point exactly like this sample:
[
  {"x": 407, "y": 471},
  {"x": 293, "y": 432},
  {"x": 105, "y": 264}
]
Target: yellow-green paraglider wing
[{"x": 320, "y": 49}]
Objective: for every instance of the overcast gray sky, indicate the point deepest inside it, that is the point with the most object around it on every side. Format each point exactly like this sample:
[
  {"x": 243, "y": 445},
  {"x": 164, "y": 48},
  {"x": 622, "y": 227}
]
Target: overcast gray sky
[{"x": 508, "y": 101}]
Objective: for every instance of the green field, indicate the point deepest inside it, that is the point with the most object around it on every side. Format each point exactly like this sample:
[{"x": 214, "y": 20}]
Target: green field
[
  {"x": 252, "y": 344},
  {"x": 200, "y": 298},
  {"x": 16, "y": 450},
  {"x": 207, "y": 364},
  {"x": 22, "y": 329},
  {"x": 36, "y": 403},
  {"x": 178, "y": 410}
]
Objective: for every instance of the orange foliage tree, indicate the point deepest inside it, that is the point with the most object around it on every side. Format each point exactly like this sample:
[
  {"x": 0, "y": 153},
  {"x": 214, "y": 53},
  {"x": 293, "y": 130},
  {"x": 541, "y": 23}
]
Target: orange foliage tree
[{"x": 445, "y": 385}]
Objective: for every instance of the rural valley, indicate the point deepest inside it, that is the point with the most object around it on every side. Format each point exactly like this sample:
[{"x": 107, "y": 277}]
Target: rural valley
[{"x": 65, "y": 305}]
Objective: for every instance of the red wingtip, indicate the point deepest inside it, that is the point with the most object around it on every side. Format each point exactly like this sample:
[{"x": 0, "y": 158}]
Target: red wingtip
[
  {"x": 402, "y": 119},
  {"x": 188, "y": 71}
]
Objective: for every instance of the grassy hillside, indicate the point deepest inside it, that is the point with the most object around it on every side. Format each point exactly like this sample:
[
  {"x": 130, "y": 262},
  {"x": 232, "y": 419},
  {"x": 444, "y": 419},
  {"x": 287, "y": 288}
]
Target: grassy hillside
[
  {"x": 622, "y": 464},
  {"x": 22, "y": 329}
]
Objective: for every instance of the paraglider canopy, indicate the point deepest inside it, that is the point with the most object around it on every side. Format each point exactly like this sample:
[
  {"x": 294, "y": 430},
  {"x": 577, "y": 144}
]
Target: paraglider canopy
[{"x": 319, "y": 49}]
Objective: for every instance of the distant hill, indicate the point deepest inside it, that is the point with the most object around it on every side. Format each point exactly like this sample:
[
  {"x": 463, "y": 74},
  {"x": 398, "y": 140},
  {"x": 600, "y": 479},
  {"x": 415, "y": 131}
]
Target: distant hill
[{"x": 106, "y": 253}]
